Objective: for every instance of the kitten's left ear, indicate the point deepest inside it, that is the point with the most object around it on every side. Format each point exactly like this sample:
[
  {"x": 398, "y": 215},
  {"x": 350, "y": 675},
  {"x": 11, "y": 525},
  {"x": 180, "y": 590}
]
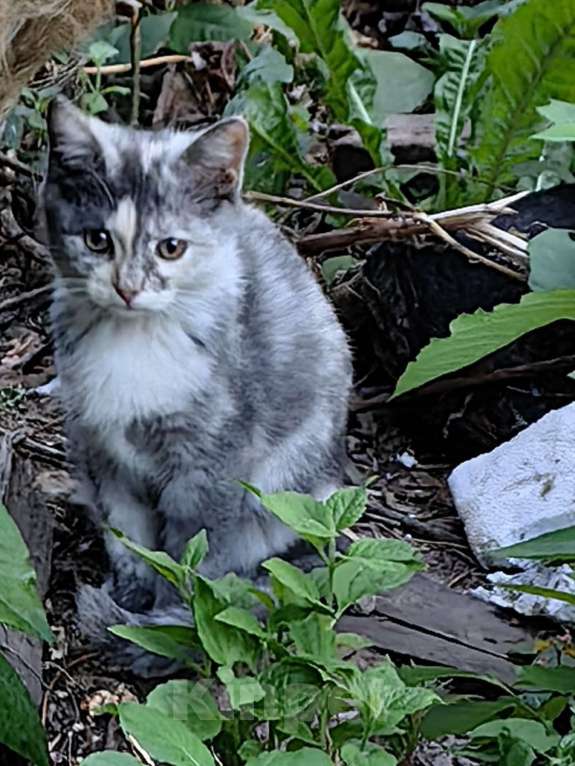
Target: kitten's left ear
[{"x": 220, "y": 152}]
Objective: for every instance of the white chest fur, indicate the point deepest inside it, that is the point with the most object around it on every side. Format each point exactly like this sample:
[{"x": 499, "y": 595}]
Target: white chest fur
[{"x": 133, "y": 368}]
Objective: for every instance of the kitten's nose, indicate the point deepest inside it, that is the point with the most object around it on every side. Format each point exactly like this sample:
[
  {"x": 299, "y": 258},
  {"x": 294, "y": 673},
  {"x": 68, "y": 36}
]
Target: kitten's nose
[{"x": 126, "y": 294}]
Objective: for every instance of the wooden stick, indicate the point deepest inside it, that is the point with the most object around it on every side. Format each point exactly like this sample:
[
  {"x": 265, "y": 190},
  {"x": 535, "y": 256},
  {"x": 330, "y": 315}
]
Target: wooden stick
[{"x": 173, "y": 58}]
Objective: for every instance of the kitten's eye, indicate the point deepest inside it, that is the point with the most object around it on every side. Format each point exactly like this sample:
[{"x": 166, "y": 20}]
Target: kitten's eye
[
  {"x": 98, "y": 240},
  {"x": 172, "y": 248}
]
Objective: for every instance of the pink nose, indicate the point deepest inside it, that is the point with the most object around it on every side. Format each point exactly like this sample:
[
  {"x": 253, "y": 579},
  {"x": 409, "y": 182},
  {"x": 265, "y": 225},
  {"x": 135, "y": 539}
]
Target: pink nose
[{"x": 126, "y": 294}]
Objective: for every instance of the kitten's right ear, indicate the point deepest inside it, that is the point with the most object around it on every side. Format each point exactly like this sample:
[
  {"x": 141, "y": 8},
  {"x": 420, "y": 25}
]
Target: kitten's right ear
[{"x": 71, "y": 140}]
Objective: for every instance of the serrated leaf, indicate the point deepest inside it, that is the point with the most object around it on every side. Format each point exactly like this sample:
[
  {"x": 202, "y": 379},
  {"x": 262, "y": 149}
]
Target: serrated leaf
[
  {"x": 373, "y": 551},
  {"x": 200, "y": 22},
  {"x": 552, "y": 261},
  {"x": 171, "y": 641},
  {"x": 269, "y": 66},
  {"x": 473, "y": 336},
  {"x": 20, "y": 726},
  {"x": 355, "y": 579},
  {"x": 223, "y": 643},
  {"x": 353, "y": 753},
  {"x": 242, "y": 690},
  {"x": 532, "y": 59},
  {"x": 20, "y": 605},
  {"x": 188, "y": 702},
  {"x": 195, "y": 551},
  {"x": 110, "y": 758},
  {"x": 346, "y": 507},
  {"x": 315, "y": 637},
  {"x": 160, "y": 561},
  {"x": 164, "y": 738}
]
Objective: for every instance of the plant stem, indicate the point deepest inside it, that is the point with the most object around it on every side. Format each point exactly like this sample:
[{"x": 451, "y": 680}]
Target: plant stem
[
  {"x": 331, "y": 554},
  {"x": 136, "y": 54}
]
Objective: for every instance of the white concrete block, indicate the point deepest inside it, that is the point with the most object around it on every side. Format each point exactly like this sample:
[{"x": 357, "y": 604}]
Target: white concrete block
[{"x": 522, "y": 489}]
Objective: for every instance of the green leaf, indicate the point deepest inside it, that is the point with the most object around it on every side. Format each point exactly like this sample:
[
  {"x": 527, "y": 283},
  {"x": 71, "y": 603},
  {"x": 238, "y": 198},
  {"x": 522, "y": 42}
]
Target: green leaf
[
  {"x": 242, "y": 690},
  {"x": 532, "y": 59},
  {"x": 352, "y": 642},
  {"x": 536, "y": 590},
  {"x": 373, "y": 551},
  {"x": 562, "y": 115},
  {"x": 307, "y": 756},
  {"x": 552, "y": 261},
  {"x": 154, "y": 31},
  {"x": 298, "y": 583},
  {"x": 346, "y": 507},
  {"x": 340, "y": 264},
  {"x": 357, "y": 576},
  {"x": 160, "y": 561},
  {"x": 20, "y": 726},
  {"x": 188, "y": 702},
  {"x": 414, "y": 675},
  {"x": 320, "y": 30},
  {"x": 269, "y": 66},
  {"x": 456, "y": 91},
  {"x": 164, "y": 738},
  {"x": 20, "y": 606},
  {"x": 195, "y": 550},
  {"x": 315, "y": 637},
  {"x": 200, "y": 22},
  {"x": 532, "y": 733},
  {"x": 400, "y": 84},
  {"x": 110, "y": 758},
  {"x": 553, "y": 545},
  {"x": 265, "y": 107},
  {"x": 292, "y": 689},
  {"x": 241, "y": 619},
  {"x": 538, "y": 678},
  {"x": 467, "y": 21},
  {"x": 310, "y": 518},
  {"x": 100, "y": 51},
  {"x": 461, "y": 717},
  {"x": 299, "y": 730},
  {"x": 223, "y": 643},
  {"x": 474, "y": 336},
  {"x": 172, "y": 641},
  {"x": 353, "y": 754}
]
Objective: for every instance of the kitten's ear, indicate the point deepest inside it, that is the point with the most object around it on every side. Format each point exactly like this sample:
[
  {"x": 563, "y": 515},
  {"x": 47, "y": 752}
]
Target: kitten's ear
[
  {"x": 220, "y": 152},
  {"x": 71, "y": 139}
]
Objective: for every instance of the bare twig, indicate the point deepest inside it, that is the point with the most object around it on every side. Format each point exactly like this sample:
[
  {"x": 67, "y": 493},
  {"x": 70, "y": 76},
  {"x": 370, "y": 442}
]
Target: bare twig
[
  {"x": 173, "y": 58},
  {"x": 290, "y": 202},
  {"x": 357, "y": 178},
  {"x": 18, "y": 167},
  {"x": 18, "y": 300}
]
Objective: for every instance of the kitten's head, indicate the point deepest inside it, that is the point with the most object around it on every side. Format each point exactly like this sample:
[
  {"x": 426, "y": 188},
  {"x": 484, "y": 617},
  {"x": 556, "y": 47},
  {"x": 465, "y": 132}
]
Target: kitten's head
[{"x": 137, "y": 218}]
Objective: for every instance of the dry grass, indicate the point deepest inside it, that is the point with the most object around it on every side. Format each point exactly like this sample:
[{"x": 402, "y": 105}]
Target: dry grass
[{"x": 31, "y": 31}]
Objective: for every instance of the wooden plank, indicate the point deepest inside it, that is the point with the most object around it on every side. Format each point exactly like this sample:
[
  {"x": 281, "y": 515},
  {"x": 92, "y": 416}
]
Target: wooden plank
[
  {"x": 24, "y": 502},
  {"x": 427, "y": 621}
]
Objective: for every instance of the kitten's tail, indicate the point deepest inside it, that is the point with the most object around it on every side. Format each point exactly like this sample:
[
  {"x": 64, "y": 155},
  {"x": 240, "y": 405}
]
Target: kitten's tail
[{"x": 97, "y": 611}]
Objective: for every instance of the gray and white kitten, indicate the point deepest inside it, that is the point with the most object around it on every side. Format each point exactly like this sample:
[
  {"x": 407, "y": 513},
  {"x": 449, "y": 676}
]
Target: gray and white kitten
[{"x": 193, "y": 346}]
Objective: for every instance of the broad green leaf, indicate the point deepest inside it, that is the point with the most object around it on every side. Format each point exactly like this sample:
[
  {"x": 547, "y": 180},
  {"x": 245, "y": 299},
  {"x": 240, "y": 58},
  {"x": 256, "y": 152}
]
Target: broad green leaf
[
  {"x": 241, "y": 619},
  {"x": 164, "y": 738},
  {"x": 308, "y": 517},
  {"x": 474, "y": 336},
  {"x": 292, "y": 578},
  {"x": 110, "y": 758},
  {"x": 305, "y": 757},
  {"x": 532, "y": 59},
  {"x": 195, "y": 550},
  {"x": 269, "y": 65},
  {"x": 533, "y": 733},
  {"x": 400, "y": 84},
  {"x": 346, "y": 507},
  {"x": 174, "y": 641},
  {"x": 154, "y": 31},
  {"x": 354, "y": 579},
  {"x": 200, "y": 22},
  {"x": 353, "y": 754},
  {"x": 462, "y": 717},
  {"x": 538, "y": 678},
  {"x": 242, "y": 690},
  {"x": 352, "y": 642},
  {"x": 319, "y": 28},
  {"x": 552, "y": 261},
  {"x": 100, "y": 51},
  {"x": 467, "y": 21},
  {"x": 340, "y": 264},
  {"x": 562, "y": 115},
  {"x": 373, "y": 551},
  {"x": 536, "y": 590},
  {"x": 188, "y": 702},
  {"x": 223, "y": 643},
  {"x": 292, "y": 689},
  {"x": 274, "y": 137},
  {"x": 20, "y": 605},
  {"x": 299, "y": 730},
  {"x": 20, "y": 726},
  {"x": 315, "y": 636},
  {"x": 558, "y": 545},
  {"x": 259, "y": 17},
  {"x": 414, "y": 675},
  {"x": 160, "y": 561}
]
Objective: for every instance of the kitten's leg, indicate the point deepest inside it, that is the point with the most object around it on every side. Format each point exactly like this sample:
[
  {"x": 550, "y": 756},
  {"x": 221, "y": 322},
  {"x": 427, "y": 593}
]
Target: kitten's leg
[{"x": 121, "y": 509}]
